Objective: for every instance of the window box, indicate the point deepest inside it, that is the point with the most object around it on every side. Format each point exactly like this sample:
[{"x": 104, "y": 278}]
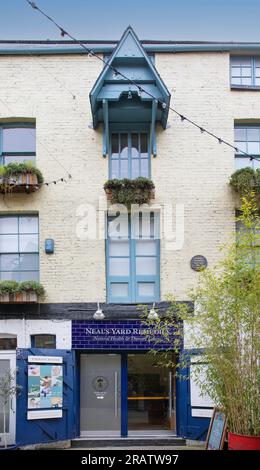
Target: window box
[
  {"x": 20, "y": 178},
  {"x": 138, "y": 191},
  {"x": 24, "y": 292}
]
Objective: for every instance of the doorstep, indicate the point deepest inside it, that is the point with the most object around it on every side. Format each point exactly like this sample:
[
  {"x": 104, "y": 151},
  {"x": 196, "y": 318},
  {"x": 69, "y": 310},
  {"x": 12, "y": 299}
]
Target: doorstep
[{"x": 103, "y": 442}]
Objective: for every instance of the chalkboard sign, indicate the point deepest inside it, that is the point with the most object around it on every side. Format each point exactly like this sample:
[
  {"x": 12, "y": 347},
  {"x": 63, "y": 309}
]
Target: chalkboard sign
[{"x": 217, "y": 430}]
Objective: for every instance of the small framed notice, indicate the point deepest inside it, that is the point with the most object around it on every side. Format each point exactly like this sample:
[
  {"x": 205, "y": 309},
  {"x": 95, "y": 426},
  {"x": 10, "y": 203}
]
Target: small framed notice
[{"x": 217, "y": 430}]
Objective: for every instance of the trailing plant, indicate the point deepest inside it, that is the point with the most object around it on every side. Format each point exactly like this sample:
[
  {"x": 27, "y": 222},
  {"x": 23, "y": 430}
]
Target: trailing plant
[
  {"x": 225, "y": 327},
  {"x": 245, "y": 180},
  {"x": 15, "y": 169},
  {"x": 127, "y": 192},
  {"x": 14, "y": 287}
]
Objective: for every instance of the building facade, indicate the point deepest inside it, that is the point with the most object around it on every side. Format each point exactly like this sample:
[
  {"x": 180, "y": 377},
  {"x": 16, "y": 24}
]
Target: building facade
[{"x": 83, "y": 122}]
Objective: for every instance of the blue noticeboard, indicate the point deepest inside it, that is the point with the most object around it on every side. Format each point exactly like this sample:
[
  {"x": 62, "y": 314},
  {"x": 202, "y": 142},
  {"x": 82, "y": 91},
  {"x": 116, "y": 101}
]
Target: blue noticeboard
[{"x": 217, "y": 430}]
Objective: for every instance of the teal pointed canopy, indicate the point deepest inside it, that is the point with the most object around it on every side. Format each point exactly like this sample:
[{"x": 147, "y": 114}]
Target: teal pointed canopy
[{"x": 114, "y": 99}]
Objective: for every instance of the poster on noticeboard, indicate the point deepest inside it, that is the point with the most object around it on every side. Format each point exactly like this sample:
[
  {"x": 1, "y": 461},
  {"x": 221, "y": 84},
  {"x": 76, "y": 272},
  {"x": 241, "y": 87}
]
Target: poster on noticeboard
[{"x": 45, "y": 388}]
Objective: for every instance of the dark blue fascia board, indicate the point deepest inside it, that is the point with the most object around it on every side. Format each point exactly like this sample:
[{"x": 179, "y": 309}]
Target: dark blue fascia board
[{"x": 237, "y": 48}]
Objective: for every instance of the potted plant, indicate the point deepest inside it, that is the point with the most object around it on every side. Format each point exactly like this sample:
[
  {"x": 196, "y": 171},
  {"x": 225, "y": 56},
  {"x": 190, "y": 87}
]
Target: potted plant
[
  {"x": 8, "y": 390},
  {"x": 126, "y": 191},
  {"x": 225, "y": 326},
  {"x": 23, "y": 292},
  {"x": 20, "y": 177}
]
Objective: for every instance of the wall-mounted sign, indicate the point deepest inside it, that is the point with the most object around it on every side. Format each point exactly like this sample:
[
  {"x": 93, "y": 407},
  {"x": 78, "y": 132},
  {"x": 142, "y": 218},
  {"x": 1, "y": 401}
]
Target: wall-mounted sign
[
  {"x": 198, "y": 263},
  {"x": 45, "y": 390},
  {"x": 46, "y": 359},
  {"x": 122, "y": 334}
]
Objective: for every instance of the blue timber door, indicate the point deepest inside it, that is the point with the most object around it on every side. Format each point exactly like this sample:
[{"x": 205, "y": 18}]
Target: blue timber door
[{"x": 51, "y": 429}]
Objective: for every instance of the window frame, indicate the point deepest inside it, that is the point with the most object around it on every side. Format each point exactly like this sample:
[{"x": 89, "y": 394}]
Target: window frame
[
  {"x": 242, "y": 155},
  {"x": 252, "y": 86},
  {"x": 12, "y": 125},
  {"x": 19, "y": 253},
  {"x": 43, "y": 335},
  {"x": 133, "y": 279},
  {"x": 129, "y": 131}
]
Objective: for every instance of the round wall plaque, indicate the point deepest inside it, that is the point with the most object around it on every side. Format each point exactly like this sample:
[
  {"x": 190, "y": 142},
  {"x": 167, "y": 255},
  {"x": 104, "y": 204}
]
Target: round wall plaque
[
  {"x": 100, "y": 383},
  {"x": 198, "y": 263}
]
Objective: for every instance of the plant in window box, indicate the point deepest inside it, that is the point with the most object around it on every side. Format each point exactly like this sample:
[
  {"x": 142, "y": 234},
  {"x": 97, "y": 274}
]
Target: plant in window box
[
  {"x": 20, "y": 177},
  {"x": 23, "y": 292},
  {"x": 126, "y": 191},
  {"x": 245, "y": 180}
]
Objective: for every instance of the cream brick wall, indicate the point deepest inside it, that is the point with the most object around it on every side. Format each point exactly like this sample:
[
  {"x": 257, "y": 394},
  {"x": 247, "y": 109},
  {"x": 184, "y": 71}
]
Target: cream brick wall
[{"x": 190, "y": 168}]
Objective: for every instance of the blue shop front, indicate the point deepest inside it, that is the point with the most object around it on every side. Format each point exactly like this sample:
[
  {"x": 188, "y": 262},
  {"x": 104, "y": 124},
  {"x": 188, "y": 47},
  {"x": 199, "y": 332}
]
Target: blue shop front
[{"x": 107, "y": 386}]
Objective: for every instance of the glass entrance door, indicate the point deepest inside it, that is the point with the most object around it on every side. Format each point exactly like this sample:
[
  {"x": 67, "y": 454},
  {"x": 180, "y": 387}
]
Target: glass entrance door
[
  {"x": 100, "y": 394},
  {"x": 151, "y": 395},
  {"x": 7, "y": 421}
]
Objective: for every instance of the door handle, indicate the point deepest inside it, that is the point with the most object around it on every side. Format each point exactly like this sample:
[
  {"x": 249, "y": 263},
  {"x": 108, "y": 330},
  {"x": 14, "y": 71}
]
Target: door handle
[
  {"x": 11, "y": 406},
  {"x": 116, "y": 393}
]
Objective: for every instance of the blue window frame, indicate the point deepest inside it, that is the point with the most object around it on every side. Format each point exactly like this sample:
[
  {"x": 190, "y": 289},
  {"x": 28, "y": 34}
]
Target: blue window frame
[
  {"x": 133, "y": 258},
  {"x": 247, "y": 139},
  {"x": 129, "y": 155},
  {"x": 17, "y": 142},
  {"x": 245, "y": 72},
  {"x": 19, "y": 248}
]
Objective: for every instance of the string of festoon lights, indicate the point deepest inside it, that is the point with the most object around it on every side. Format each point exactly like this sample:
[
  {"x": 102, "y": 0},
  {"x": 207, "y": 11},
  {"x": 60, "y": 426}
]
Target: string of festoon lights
[{"x": 140, "y": 89}]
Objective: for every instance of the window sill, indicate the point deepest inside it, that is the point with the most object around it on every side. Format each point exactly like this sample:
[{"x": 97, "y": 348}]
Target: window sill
[{"x": 245, "y": 88}]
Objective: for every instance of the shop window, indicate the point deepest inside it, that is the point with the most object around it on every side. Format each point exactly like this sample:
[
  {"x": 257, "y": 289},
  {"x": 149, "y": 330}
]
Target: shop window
[
  {"x": 133, "y": 249},
  {"x": 17, "y": 143},
  {"x": 43, "y": 341},
  {"x": 129, "y": 155},
  {"x": 247, "y": 139},
  {"x": 19, "y": 248}
]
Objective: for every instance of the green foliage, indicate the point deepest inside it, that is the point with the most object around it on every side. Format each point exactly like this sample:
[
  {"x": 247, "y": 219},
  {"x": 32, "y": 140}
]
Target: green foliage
[
  {"x": 127, "y": 192},
  {"x": 226, "y": 327},
  {"x": 13, "y": 287},
  {"x": 15, "y": 169},
  {"x": 245, "y": 180}
]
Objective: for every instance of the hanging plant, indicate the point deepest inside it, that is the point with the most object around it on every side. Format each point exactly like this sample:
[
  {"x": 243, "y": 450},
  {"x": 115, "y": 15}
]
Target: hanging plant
[
  {"x": 20, "y": 177},
  {"x": 138, "y": 191},
  {"x": 245, "y": 180}
]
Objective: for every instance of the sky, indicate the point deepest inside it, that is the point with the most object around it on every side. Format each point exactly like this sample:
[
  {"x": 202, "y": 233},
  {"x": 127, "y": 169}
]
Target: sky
[{"x": 205, "y": 20}]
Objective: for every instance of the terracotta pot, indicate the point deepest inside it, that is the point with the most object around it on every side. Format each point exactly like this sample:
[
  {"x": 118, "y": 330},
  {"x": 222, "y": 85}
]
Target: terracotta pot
[
  {"x": 20, "y": 297},
  {"x": 241, "y": 442}
]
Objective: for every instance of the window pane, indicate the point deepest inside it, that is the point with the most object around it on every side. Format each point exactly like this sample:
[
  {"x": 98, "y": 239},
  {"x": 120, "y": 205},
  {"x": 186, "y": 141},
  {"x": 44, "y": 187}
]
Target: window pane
[
  {"x": 241, "y": 146},
  {"x": 124, "y": 168},
  {"x": 8, "y": 243},
  {"x": 28, "y": 224},
  {"x": 246, "y": 81},
  {"x": 118, "y": 227},
  {"x": 135, "y": 146},
  {"x": 124, "y": 146},
  {"x": 240, "y": 134},
  {"x": 44, "y": 341},
  {"x": 19, "y": 139},
  {"x": 8, "y": 224},
  {"x": 253, "y": 147},
  {"x": 235, "y": 81},
  {"x": 119, "y": 267},
  {"x": 144, "y": 145},
  {"x": 236, "y": 71},
  {"x": 119, "y": 289},
  {"x": 246, "y": 71},
  {"x": 135, "y": 168},
  {"x": 145, "y": 247},
  {"x": 8, "y": 343},
  {"x": 29, "y": 276},
  {"x": 29, "y": 262},
  {"x": 256, "y": 164},
  {"x": 119, "y": 248},
  {"x": 257, "y": 72},
  {"x": 10, "y": 276},
  {"x": 246, "y": 61},
  {"x": 235, "y": 60},
  {"x": 115, "y": 169},
  {"x": 114, "y": 145},
  {"x": 146, "y": 289},
  {"x": 145, "y": 168},
  {"x": 257, "y": 81},
  {"x": 28, "y": 243},
  {"x": 9, "y": 262},
  {"x": 257, "y": 62},
  {"x": 253, "y": 135},
  {"x": 18, "y": 158},
  {"x": 146, "y": 266}
]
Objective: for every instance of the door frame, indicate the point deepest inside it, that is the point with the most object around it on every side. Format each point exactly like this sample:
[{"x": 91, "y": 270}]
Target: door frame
[{"x": 11, "y": 436}]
